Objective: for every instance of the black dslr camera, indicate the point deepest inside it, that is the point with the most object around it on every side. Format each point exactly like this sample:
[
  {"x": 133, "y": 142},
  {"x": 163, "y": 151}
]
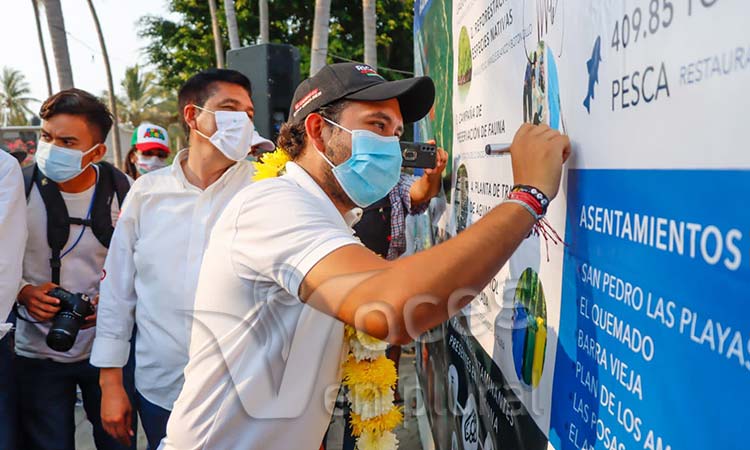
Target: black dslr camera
[{"x": 74, "y": 308}]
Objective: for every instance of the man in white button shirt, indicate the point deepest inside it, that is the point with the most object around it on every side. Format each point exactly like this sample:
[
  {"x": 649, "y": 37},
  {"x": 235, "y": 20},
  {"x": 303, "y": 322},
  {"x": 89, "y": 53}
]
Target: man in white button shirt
[
  {"x": 282, "y": 273},
  {"x": 13, "y": 238},
  {"x": 153, "y": 265}
]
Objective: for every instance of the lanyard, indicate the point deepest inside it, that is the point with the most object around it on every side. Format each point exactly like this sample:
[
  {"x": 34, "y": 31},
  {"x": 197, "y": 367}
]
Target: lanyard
[{"x": 86, "y": 220}]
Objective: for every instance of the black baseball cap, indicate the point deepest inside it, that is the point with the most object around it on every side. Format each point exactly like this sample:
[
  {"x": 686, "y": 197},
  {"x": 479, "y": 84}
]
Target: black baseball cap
[{"x": 355, "y": 81}]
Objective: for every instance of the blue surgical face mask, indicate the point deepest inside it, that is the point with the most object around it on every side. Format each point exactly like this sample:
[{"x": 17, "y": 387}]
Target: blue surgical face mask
[
  {"x": 60, "y": 164},
  {"x": 373, "y": 169}
]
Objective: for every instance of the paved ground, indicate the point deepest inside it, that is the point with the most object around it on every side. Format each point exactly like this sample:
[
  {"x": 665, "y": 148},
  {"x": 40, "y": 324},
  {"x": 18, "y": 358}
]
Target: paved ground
[{"x": 407, "y": 433}]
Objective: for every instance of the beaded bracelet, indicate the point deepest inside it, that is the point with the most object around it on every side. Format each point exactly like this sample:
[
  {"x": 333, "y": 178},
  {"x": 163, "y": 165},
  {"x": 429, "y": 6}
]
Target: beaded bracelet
[
  {"x": 531, "y": 202},
  {"x": 536, "y": 193}
]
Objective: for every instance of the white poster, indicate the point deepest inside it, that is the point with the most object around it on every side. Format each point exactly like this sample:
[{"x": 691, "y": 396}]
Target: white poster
[{"x": 638, "y": 328}]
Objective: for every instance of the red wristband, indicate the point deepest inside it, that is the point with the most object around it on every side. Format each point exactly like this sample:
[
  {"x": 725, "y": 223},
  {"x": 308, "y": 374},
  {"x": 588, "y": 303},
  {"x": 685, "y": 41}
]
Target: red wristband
[{"x": 529, "y": 199}]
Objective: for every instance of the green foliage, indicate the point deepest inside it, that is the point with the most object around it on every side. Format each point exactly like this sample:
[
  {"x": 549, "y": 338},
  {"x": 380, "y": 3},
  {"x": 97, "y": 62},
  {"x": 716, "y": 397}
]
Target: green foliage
[
  {"x": 435, "y": 57},
  {"x": 180, "y": 48},
  {"x": 142, "y": 93},
  {"x": 145, "y": 100},
  {"x": 14, "y": 98},
  {"x": 464, "y": 56}
]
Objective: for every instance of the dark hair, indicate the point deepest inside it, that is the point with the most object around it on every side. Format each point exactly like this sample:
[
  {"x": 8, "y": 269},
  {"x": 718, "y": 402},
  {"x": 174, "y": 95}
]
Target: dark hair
[
  {"x": 198, "y": 88},
  {"x": 130, "y": 168},
  {"x": 292, "y": 136},
  {"x": 79, "y": 103}
]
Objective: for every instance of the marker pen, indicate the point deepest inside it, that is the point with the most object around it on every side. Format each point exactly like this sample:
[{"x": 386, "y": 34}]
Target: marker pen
[{"x": 496, "y": 149}]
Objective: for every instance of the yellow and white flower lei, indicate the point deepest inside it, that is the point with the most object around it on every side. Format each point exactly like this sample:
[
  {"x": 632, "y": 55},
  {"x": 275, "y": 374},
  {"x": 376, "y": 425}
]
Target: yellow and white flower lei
[{"x": 368, "y": 374}]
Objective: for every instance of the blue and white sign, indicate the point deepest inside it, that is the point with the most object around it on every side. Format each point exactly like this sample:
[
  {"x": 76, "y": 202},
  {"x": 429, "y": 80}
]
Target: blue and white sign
[{"x": 636, "y": 333}]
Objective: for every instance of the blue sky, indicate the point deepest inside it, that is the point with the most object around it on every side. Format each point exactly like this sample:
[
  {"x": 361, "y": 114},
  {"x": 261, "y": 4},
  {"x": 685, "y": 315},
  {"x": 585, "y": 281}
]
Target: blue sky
[{"x": 19, "y": 46}]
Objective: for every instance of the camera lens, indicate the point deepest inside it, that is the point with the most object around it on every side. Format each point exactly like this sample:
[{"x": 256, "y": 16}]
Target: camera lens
[{"x": 64, "y": 331}]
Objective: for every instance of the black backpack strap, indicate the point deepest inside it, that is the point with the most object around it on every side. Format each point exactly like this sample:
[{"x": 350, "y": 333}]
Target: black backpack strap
[
  {"x": 58, "y": 221},
  {"x": 111, "y": 182},
  {"x": 120, "y": 181},
  {"x": 77, "y": 221},
  {"x": 28, "y": 179},
  {"x": 122, "y": 185}
]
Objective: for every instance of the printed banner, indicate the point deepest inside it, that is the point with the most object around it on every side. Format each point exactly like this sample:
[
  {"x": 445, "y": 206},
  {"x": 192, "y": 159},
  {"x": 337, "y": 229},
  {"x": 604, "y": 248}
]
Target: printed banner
[{"x": 616, "y": 340}]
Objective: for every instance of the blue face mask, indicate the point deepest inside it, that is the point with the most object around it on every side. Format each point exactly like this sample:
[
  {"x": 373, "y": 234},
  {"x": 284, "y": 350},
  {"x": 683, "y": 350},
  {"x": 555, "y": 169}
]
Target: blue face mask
[
  {"x": 373, "y": 169},
  {"x": 60, "y": 164}
]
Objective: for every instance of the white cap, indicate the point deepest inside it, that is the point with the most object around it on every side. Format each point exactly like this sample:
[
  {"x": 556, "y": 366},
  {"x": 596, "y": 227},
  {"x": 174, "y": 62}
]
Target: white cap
[
  {"x": 262, "y": 143},
  {"x": 150, "y": 137}
]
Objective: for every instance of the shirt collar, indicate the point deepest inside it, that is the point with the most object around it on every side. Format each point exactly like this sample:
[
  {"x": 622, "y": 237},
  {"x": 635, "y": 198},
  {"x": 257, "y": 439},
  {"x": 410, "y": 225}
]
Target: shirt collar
[
  {"x": 177, "y": 168},
  {"x": 179, "y": 173},
  {"x": 300, "y": 175}
]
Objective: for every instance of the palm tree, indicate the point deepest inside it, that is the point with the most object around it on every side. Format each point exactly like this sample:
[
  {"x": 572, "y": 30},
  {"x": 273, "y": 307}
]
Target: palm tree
[
  {"x": 35, "y": 4},
  {"x": 145, "y": 100},
  {"x": 14, "y": 99},
  {"x": 319, "y": 50},
  {"x": 117, "y": 154},
  {"x": 218, "y": 48},
  {"x": 234, "y": 35},
  {"x": 369, "y": 17},
  {"x": 141, "y": 94},
  {"x": 264, "y": 34},
  {"x": 59, "y": 39}
]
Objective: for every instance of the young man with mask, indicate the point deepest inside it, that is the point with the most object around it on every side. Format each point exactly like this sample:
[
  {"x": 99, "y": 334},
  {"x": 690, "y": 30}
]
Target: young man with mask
[
  {"x": 73, "y": 201},
  {"x": 157, "y": 248},
  {"x": 282, "y": 273}
]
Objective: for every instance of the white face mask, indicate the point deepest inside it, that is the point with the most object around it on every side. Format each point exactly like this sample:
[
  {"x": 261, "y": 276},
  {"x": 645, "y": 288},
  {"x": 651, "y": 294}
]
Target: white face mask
[
  {"x": 60, "y": 164},
  {"x": 146, "y": 164},
  {"x": 234, "y": 133}
]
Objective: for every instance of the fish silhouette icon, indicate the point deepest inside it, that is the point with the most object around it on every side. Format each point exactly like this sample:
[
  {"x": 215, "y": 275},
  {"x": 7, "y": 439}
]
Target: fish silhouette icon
[{"x": 593, "y": 68}]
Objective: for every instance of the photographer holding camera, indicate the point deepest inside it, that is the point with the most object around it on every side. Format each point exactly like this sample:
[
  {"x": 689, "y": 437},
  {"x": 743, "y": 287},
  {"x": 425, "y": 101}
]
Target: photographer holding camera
[{"x": 73, "y": 201}]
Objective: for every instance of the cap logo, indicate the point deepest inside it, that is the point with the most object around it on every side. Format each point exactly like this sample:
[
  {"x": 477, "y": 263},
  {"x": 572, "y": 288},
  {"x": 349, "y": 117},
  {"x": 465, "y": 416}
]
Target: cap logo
[
  {"x": 304, "y": 101},
  {"x": 367, "y": 70},
  {"x": 154, "y": 133}
]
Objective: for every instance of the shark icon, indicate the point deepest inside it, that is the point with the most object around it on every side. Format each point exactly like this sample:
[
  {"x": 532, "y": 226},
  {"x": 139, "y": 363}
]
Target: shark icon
[{"x": 593, "y": 67}]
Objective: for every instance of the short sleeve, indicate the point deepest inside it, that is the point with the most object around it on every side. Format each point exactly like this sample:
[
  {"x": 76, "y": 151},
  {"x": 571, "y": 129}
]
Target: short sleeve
[{"x": 281, "y": 231}]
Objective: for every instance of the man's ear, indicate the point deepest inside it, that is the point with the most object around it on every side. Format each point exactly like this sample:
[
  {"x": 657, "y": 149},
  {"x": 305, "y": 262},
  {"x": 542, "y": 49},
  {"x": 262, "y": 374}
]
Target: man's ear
[
  {"x": 314, "y": 125},
  {"x": 189, "y": 112},
  {"x": 98, "y": 153}
]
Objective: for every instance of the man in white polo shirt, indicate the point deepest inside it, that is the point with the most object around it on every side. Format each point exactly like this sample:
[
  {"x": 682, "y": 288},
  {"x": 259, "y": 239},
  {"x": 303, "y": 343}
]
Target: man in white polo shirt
[
  {"x": 152, "y": 268},
  {"x": 282, "y": 273}
]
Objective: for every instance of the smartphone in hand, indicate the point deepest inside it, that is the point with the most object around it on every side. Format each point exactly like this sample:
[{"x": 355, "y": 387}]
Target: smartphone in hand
[{"x": 419, "y": 155}]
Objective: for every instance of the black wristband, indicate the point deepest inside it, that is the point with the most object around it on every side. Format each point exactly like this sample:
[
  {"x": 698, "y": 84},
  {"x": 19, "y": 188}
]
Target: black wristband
[{"x": 537, "y": 193}]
